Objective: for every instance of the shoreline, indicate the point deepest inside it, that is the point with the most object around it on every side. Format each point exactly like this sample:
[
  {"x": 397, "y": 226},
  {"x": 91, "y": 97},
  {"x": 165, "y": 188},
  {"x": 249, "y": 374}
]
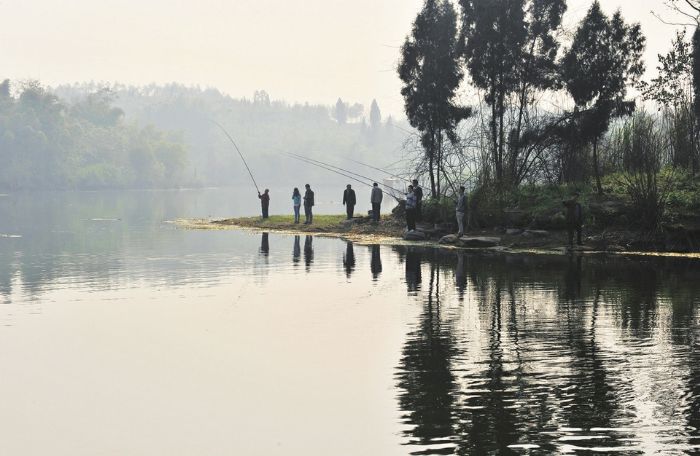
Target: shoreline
[{"x": 390, "y": 231}]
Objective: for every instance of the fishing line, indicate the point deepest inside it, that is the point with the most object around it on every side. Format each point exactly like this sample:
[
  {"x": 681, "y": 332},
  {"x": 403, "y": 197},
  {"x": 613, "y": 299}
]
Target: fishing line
[
  {"x": 314, "y": 161},
  {"x": 379, "y": 169},
  {"x": 329, "y": 168}
]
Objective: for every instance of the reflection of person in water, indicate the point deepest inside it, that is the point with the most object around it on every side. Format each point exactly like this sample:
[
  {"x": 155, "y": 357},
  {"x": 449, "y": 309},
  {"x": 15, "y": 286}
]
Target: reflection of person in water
[
  {"x": 413, "y": 271},
  {"x": 296, "y": 252},
  {"x": 308, "y": 251},
  {"x": 460, "y": 278},
  {"x": 375, "y": 264},
  {"x": 265, "y": 245},
  {"x": 349, "y": 259},
  {"x": 572, "y": 279}
]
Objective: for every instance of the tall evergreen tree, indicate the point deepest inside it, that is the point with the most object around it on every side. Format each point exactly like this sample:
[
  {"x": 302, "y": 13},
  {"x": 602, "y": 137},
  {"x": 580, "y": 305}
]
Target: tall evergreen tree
[
  {"x": 375, "y": 116},
  {"x": 431, "y": 74},
  {"x": 510, "y": 47},
  {"x": 5, "y": 89},
  {"x": 604, "y": 58},
  {"x": 341, "y": 112}
]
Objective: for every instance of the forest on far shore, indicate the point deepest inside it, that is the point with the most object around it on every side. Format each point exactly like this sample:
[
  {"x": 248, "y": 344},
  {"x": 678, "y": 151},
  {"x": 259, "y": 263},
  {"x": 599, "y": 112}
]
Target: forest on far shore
[{"x": 111, "y": 136}]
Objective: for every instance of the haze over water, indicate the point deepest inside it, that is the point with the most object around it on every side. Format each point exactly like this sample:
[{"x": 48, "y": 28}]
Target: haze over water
[{"x": 121, "y": 334}]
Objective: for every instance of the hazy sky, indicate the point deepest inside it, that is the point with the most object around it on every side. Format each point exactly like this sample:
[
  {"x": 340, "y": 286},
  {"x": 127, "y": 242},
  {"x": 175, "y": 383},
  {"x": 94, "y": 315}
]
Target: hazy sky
[{"x": 299, "y": 50}]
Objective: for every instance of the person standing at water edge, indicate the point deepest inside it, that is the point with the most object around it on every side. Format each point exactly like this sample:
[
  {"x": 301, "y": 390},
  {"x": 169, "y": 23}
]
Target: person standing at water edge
[
  {"x": 349, "y": 201},
  {"x": 265, "y": 203},
  {"x": 296, "y": 200},
  {"x": 308, "y": 205},
  {"x": 410, "y": 209},
  {"x": 418, "y": 191},
  {"x": 460, "y": 209},
  {"x": 574, "y": 218},
  {"x": 376, "y": 200}
]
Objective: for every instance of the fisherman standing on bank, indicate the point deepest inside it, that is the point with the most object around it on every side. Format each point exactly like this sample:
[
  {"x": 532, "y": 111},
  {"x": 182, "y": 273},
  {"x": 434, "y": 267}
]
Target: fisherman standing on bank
[
  {"x": 308, "y": 205},
  {"x": 376, "y": 200},
  {"x": 349, "y": 201},
  {"x": 574, "y": 219},
  {"x": 460, "y": 210},
  {"x": 265, "y": 203},
  {"x": 410, "y": 209},
  {"x": 418, "y": 191}
]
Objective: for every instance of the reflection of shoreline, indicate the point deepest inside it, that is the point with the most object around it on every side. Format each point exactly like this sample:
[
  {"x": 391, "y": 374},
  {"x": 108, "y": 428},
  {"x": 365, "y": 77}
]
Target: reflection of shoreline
[{"x": 382, "y": 238}]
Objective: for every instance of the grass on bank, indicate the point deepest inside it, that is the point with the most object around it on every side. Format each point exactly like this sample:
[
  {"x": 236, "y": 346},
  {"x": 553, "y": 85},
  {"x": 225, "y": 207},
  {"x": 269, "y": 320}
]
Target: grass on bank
[
  {"x": 387, "y": 226},
  {"x": 281, "y": 222}
]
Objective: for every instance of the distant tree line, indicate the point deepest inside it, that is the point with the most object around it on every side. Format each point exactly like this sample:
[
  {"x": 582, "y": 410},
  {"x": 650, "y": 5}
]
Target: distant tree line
[
  {"x": 502, "y": 96},
  {"x": 97, "y": 136},
  {"x": 266, "y": 130},
  {"x": 47, "y": 143}
]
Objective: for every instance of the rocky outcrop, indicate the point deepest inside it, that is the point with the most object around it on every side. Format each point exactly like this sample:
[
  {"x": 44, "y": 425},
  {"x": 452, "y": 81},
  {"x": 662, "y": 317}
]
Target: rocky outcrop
[
  {"x": 450, "y": 239},
  {"x": 478, "y": 241},
  {"x": 414, "y": 236}
]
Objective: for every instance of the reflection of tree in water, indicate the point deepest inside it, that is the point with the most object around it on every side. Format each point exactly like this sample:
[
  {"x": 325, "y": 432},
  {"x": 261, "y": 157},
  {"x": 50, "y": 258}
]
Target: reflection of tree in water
[
  {"x": 375, "y": 264},
  {"x": 592, "y": 395},
  {"x": 265, "y": 245},
  {"x": 489, "y": 404},
  {"x": 296, "y": 250},
  {"x": 637, "y": 298},
  {"x": 425, "y": 375},
  {"x": 349, "y": 259},
  {"x": 308, "y": 251},
  {"x": 488, "y": 420}
]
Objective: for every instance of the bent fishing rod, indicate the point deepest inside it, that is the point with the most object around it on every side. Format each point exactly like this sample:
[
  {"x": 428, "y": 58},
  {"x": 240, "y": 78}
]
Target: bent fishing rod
[
  {"x": 237, "y": 150},
  {"x": 327, "y": 168},
  {"x": 323, "y": 164}
]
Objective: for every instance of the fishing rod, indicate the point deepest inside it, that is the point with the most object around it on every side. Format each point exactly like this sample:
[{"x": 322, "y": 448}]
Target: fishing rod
[
  {"x": 237, "y": 150},
  {"x": 327, "y": 168},
  {"x": 314, "y": 161},
  {"x": 379, "y": 169}
]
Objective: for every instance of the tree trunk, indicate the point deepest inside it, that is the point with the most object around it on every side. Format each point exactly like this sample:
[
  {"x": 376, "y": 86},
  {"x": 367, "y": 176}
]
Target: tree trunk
[
  {"x": 501, "y": 141},
  {"x": 494, "y": 138},
  {"x": 596, "y": 167},
  {"x": 440, "y": 167},
  {"x": 431, "y": 171}
]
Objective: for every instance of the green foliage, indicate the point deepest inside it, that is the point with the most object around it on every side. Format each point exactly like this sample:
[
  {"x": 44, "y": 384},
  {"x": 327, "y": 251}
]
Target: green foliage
[
  {"x": 47, "y": 143},
  {"x": 438, "y": 210},
  {"x": 674, "y": 83}
]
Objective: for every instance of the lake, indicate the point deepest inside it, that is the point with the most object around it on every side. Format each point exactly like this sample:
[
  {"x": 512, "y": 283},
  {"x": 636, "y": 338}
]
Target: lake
[{"x": 121, "y": 334}]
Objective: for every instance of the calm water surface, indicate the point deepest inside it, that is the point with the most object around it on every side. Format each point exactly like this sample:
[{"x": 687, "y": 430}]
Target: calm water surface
[{"x": 123, "y": 335}]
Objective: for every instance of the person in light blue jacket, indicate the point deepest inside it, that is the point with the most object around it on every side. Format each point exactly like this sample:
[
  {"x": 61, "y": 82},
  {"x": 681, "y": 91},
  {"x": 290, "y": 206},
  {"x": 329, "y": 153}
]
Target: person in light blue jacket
[{"x": 296, "y": 199}]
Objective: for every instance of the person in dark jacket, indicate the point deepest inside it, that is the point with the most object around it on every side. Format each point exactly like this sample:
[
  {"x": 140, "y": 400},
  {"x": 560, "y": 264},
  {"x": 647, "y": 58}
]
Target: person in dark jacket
[
  {"x": 349, "y": 201},
  {"x": 418, "y": 191},
  {"x": 308, "y": 205},
  {"x": 574, "y": 219},
  {"x": 265, "y": 203},
  {"x": 376, "y": 199}
]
